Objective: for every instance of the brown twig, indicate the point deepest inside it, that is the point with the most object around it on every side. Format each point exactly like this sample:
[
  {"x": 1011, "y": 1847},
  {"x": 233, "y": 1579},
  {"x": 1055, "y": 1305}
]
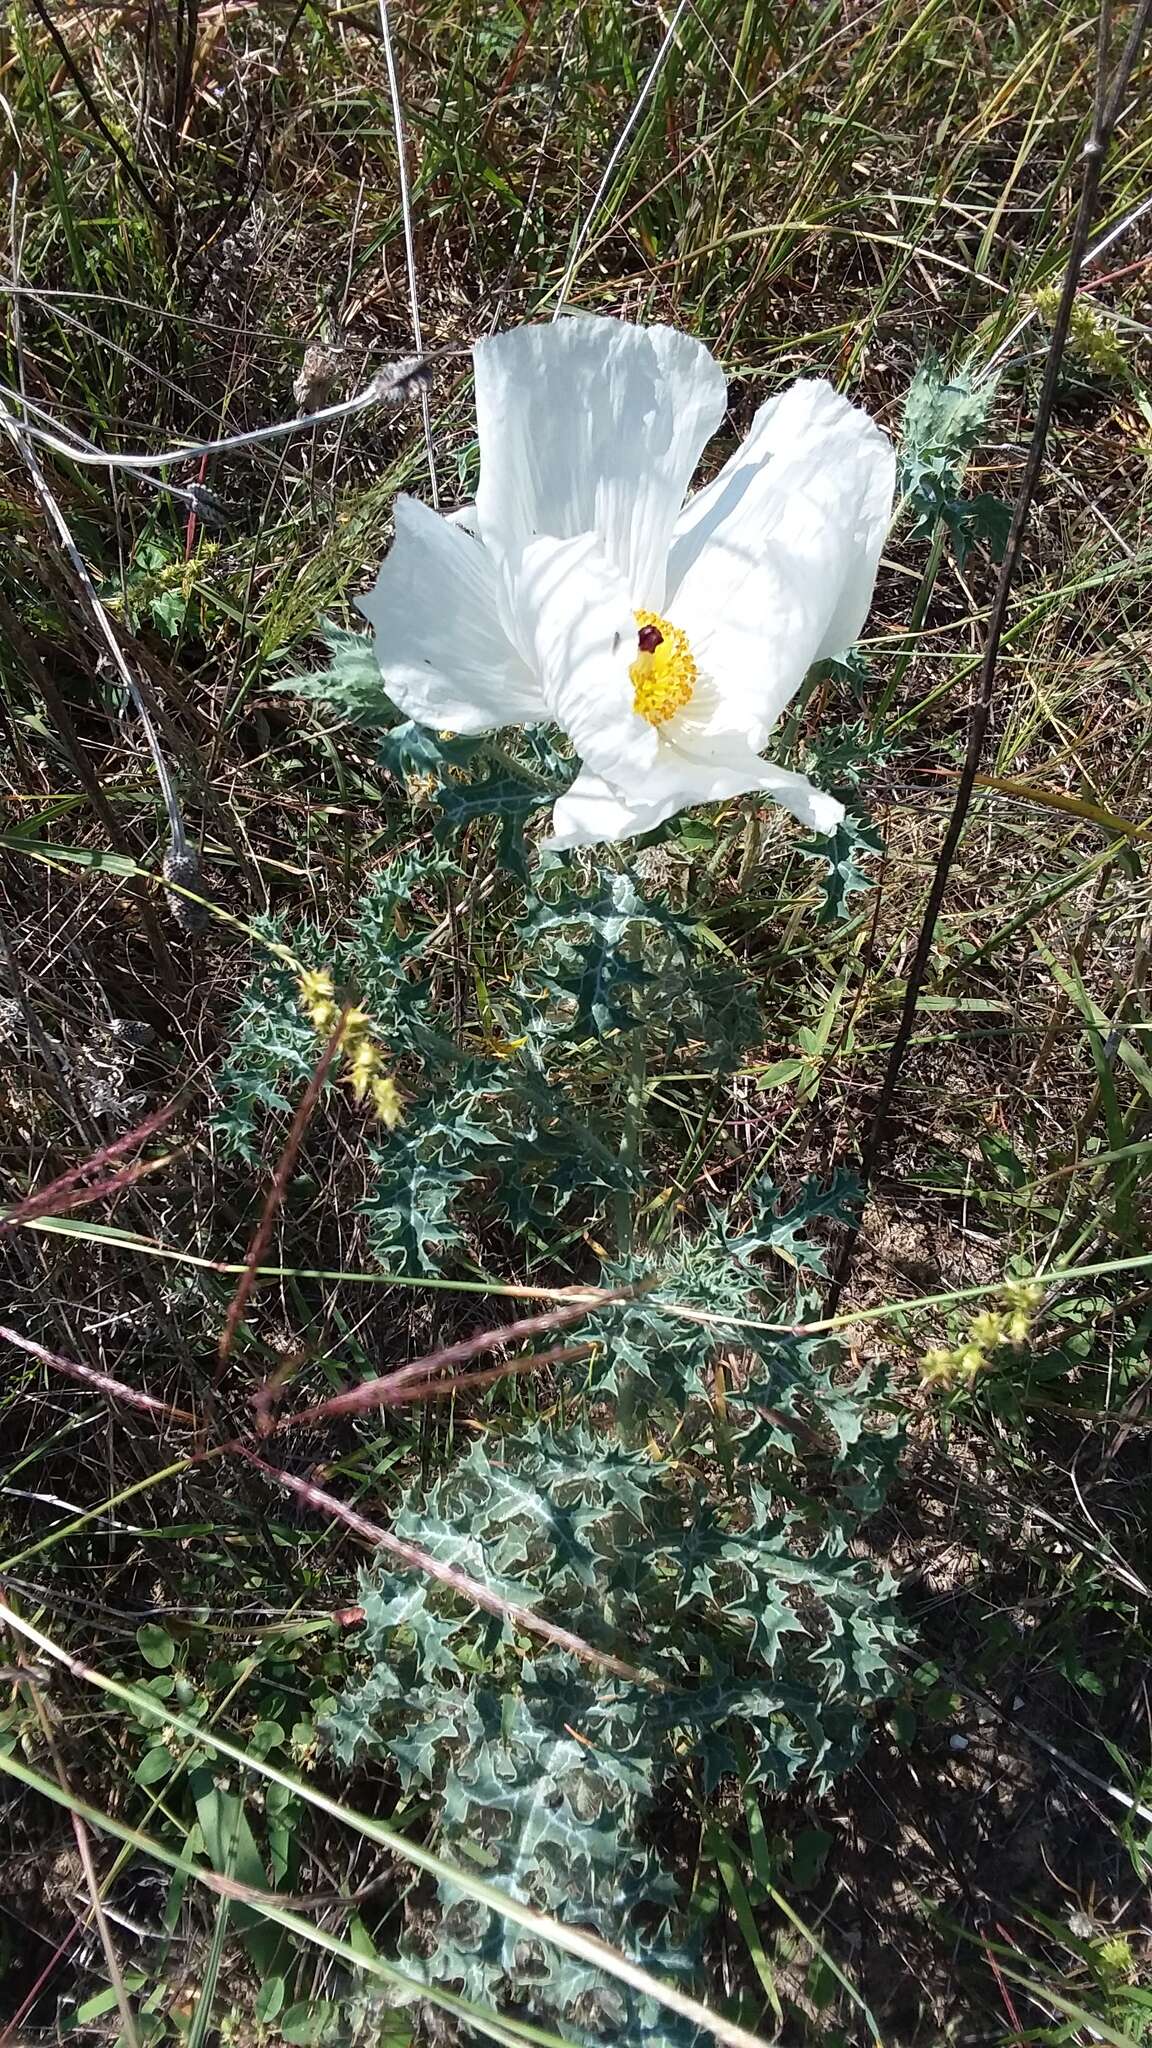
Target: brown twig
[
  {"x": 276, "y": 1193},
  {"x": 414, "y": 1559},
  {"x": 89, "y": 1377},
  {"x": 382, "y": 1392},
  {"x": 1108, "y": 101},
  {"x": 64, "y": 1193},
  {"x": 468, "y": 1382}
]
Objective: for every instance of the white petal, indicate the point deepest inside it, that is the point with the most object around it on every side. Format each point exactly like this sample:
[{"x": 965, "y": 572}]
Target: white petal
[
  {"x": 442, "y": 649},
  {"x": 774, "y": 563},
  {"x": 591, "y": 813},
  {"x": 576, "y": 629},
  {"x": 820, "y": 812},
  {"x": 593, "y": 810},
  {"x": 593, "y": 426}
]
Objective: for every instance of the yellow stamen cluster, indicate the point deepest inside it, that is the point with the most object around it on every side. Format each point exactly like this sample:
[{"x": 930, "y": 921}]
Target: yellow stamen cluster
[
  {"x": 664, "y": 676},
  {"x": 987, "y": 1333},
  {"x": 363, "y": 1059}
]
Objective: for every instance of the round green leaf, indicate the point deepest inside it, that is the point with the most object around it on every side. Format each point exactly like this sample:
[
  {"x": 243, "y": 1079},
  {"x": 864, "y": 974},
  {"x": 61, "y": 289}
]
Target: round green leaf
[
  {"x": 155, "y": 1645},
  {"x": 154, "y": 1765},
  {"x": 270, "y": 1998}
]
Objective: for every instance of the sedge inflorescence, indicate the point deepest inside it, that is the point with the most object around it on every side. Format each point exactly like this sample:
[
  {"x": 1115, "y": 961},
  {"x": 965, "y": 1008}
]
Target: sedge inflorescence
[
  {"x": 1093, "y": 341},
  {"x": 362, "y": 1058},
  {"x": 987, "y": 1333},
  {"x": 663, "y": 674}
]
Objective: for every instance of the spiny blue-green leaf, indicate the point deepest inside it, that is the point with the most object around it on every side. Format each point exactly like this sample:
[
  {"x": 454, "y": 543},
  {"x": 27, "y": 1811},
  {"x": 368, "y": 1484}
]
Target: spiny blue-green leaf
[
  {"x": 412, "y": 749},
  {"x": 841, "y": 851},
  {"x": 615, "y": 906},
  {"x": 770, "y": 1230},
  {"x": 985, "y": 518},
  {"x": 351, "y": 685},
  {"x": 353, "y": 1724},
  {"x": 498, "y": 795},
  {"x": 944, "y": 419},
  {"x": 773, "y": 1633},
  {"x": 421, "y": 1743},
  {"x": 595, "y": 979},
  {"x": 842, "y": 757},
  {"x": 409, "y": 1205},
  {"x": 852, "y": 668},
  {"x": 399, "y": 912},
  {"x": 272, "y": 1052}
]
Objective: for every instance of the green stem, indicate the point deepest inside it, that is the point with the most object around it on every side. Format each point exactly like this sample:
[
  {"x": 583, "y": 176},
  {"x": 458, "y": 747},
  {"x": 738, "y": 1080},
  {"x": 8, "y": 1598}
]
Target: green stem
[{"x": 917, "y": 615}]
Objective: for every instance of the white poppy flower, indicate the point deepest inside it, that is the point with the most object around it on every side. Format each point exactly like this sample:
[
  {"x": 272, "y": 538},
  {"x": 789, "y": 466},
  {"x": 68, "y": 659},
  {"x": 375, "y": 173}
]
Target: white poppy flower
[{"x": 664, "y": 637}]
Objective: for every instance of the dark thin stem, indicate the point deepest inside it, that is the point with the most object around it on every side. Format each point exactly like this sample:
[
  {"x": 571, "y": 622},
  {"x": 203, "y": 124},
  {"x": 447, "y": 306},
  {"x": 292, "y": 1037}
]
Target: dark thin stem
[
  {"x": 40, "y": 676},
  {"x": 276, "y": 1193},
  {"x": 157, "y": 206},
  {"x": 1107, "y": 103}
]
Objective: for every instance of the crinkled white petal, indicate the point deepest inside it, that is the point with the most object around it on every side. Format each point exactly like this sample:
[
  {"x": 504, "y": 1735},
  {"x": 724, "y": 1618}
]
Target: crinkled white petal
[
  {"x": 593, "y": 426},
  {"x": 813, "y": 807},
  {"x": 574, "y": 624},
  {"x": 595, "y": 809},
  {"x": 443, "y": 651},
  {"x": 773, "y": 564}
]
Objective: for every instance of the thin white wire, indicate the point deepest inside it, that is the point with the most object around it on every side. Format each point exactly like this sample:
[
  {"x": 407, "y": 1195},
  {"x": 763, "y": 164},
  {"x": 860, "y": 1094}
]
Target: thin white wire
[
  {"x": 618, "y": 148},
  {"x": 79, "y": 446},
  {"x": 409, "y": 244},
  {"x": 389, "y": 384}
]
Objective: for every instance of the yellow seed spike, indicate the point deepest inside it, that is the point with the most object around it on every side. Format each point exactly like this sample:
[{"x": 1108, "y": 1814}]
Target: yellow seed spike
[
  {"x": 386, "y": 1101},
  {"x": 987, "y": 1330},
  {"x": 362, "y": 1067},
  {"x": 314, "y": 985}
]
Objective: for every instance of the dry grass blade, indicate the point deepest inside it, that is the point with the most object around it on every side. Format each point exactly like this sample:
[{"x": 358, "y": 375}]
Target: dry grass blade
[
  {"x": 379, "y": 1392},
  {"x": 1109, "y": 99},
  {"x": 476, "y": 1382},
  {"x": 64, "y": 1194},
  {"x": 89, "y": 1377}
]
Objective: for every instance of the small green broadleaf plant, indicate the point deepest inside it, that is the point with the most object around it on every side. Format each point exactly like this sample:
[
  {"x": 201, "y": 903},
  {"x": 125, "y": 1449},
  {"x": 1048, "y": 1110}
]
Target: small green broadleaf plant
[{"x": 944, "y": 419}]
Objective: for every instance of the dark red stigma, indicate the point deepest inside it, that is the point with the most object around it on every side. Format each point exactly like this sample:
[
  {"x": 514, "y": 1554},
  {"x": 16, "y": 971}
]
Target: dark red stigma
[{"x": 650, "y": 638}]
